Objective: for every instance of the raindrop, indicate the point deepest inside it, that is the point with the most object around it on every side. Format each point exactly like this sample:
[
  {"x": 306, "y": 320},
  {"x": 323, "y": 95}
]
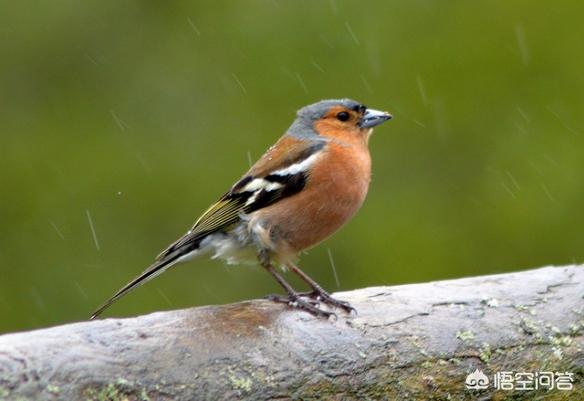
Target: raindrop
[
  {"x": 513, "y": 180},
  {"x": 547, "y": 192},
  {"x": 352, "y": 33},
  {"x": 91, "y": 59},
  {"x": 366, "y": 84},
  {"x": 421, "y": 124},
  {"x": 239, "y": 82},
  {"x": 163, "y": 295},
  {"x": 422, "y": 90},
  {"x": 522, "y": 44},
  {"x": 557, "y": 115},
  {"x": 331, "y": 260},
  {"x": 143, "y": 162},
  {"x": 520, "y": 127},
  {"x": 192, "y": 24},
  {"x": 551, "y": 160},
  {"x": 317, "y": 66},
  {"x": 333, "y": 4},
  {"x": 90, "y": 220},
  {"x": 59, "y": 233},
  {"x": 326, "y": 41},
  {"x": 302, "y": 84},
  {"x": 120, "y": 123},
  {"x": 523, "y": 114},
  {"x": 508, "y": 190},
  {"x": 80, "y": 289}
]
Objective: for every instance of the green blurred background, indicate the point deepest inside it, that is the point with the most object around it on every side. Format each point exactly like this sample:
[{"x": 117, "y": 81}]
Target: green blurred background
[{"x": 137, "y": 115}]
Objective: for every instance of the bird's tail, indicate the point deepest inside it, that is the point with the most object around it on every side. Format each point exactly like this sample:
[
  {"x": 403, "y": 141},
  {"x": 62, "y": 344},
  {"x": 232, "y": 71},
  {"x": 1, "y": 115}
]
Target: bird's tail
[{"x": 157, "y": 268}]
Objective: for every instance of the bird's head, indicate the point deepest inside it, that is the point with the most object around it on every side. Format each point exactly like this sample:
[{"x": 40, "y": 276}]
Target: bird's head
[{"x": 337, "y": 117}]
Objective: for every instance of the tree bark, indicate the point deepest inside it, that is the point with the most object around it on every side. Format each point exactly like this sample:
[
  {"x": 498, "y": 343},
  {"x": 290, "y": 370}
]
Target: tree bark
[{"x": 416, "y": 341}]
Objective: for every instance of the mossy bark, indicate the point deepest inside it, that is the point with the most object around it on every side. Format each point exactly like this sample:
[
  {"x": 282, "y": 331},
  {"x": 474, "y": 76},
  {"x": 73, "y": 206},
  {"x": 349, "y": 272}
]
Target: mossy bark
[{"x": 406, "y": 342}]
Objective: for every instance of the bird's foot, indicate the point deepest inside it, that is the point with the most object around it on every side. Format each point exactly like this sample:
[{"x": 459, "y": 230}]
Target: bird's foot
[
  {"x": 296, "y": 301},
  {"x": 322, "y": 296}
]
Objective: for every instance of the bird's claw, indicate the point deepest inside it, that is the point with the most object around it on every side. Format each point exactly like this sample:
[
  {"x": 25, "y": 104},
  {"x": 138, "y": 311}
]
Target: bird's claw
[
  {"x": 326, "y": 298},
  {"x": 296, "y": 301}
]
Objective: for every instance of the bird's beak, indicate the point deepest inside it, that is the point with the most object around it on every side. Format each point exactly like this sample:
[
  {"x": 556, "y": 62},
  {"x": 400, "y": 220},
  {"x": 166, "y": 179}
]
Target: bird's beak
[{"x": 372, "y": 118}]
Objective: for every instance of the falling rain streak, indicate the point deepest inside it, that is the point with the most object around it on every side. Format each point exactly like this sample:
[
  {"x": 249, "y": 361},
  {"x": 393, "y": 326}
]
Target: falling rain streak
[
  {"x": 422, "y": 90},
  {"x": 163, "y": 295},
  {"x": 239, "y": 82},
  {"x": 331, "y": 260},
  {"x": 352, "y": 33},
  {"x": 192, "y": 24},
  {"x": 523, "y": 114},
  {"x": 80, "y": 289},
  {"x": 557, "y": 115},
  {"x": 90, "y": 220},
  {"x": 509, "y": 191},
  {"x": 301, "y": 82},
  {"x": 513, "y": 180},
  {"x": 119, "y": 122},
  {"x": 143, "y": 162},
  {"x": 317, "y": 66},
  {"x": 521, "y": 43},
  {"x": 59, "y": 233},
  {"x": 547, "y": 192},
  {"x": 366, "y": 84},
  {"x": 334, "y": 7}
]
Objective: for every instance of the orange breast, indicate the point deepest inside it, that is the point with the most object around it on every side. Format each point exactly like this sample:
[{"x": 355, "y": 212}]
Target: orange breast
[{"x": 335, "y": 190}]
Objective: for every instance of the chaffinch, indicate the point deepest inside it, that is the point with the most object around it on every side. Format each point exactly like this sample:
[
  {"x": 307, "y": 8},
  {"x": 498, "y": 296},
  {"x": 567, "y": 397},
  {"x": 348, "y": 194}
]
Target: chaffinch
[{"x": 302, "y": 190}]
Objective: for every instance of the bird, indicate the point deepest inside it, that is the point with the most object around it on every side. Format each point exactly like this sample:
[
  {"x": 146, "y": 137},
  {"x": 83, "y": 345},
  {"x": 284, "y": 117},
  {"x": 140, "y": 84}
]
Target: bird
[{"x": 301, "y": 191}]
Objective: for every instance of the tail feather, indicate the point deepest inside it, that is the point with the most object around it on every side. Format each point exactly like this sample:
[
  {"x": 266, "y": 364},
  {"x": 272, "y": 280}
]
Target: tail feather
[{"x": 154, "y": 270}]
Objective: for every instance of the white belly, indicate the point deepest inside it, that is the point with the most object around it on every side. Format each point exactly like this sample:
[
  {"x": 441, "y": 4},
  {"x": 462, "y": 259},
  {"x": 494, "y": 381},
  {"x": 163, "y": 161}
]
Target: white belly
[{"x": 234, "y": 248}]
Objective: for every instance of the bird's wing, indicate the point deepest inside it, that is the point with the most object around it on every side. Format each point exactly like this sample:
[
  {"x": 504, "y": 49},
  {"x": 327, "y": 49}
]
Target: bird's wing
[{"x": 281, "y": 172}]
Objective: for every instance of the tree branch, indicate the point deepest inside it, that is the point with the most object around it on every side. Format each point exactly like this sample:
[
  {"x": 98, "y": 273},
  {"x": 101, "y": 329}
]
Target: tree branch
[{"x": 415, "y": 341}]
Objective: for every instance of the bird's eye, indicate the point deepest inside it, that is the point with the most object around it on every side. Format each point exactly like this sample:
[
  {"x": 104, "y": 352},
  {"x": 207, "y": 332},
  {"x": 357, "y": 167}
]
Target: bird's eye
[{"x": 343, "y": 116}]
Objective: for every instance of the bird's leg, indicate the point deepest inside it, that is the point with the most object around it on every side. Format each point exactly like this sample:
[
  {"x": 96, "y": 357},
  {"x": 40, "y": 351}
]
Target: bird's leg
[
  {"x": 318, "y": 292},
  {"x": 293, "y": 299}
]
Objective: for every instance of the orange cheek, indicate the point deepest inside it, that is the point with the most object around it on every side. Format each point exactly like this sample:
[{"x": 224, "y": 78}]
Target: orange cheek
[
  {"x": 332, "y": 127},
  {"x": 339, "y": 130}
]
